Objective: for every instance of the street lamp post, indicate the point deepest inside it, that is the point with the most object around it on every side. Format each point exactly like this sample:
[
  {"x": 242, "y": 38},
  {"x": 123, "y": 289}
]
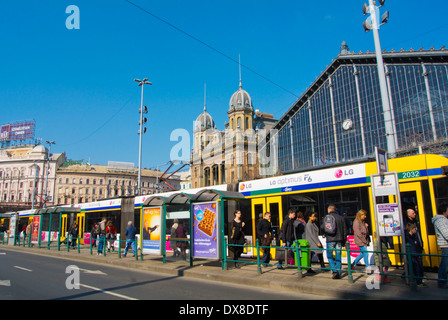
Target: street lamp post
[
  {"x": 140, "y": 132},
  {"x": 48, "y": 169},
  {"x": 374, "y": 25}
]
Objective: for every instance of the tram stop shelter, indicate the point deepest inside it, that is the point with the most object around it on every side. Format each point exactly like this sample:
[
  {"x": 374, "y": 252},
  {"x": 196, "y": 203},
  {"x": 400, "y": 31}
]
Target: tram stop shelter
[
  {"x": 209, "y": 212},
  {"x": 154, "y": 214},
  {"x": 206, "y": 214},
  {"x": 55, "y": 221}
]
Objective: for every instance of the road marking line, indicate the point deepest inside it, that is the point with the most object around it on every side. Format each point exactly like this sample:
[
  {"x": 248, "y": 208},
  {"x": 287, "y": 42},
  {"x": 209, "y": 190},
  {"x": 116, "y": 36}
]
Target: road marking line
[
  {"x": 108, "y": 292},
  {"x": 6, "y": 283},
  {"x": 93, "y": 272},
  {"x": 2, "y": 253},
  {"x": 22, "y": 268}
]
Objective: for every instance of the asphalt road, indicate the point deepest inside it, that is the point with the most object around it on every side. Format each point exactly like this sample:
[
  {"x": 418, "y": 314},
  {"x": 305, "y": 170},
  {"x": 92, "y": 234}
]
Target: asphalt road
[{"x": 25, "y": 276}]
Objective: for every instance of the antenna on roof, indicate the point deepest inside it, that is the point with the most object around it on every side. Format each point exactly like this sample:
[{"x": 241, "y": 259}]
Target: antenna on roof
[
  {"x": 239, "y": 63},
  {"x": 205, "y": 96}
]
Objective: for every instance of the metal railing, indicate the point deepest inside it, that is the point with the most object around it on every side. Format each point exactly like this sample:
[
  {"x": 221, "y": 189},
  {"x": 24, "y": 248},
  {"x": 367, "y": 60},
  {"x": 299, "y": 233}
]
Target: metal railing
[
  {"x": 411, "y": 278},
  {"x": 298, "y": 252}
]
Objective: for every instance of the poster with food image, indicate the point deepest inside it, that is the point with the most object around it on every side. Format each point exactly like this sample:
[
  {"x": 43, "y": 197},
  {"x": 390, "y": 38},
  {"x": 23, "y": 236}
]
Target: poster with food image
[
  {"x": 205, "y": 233},
  {"x": 35, "y": 229}
]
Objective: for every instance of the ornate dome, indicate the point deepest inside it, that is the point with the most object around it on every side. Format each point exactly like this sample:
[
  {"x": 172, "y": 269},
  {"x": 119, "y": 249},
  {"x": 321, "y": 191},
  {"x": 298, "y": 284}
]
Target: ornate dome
[
  {"x": 204, "y": 121},
  {"x": 40, "y": 149},
  {"x": 240, "y": 99}
]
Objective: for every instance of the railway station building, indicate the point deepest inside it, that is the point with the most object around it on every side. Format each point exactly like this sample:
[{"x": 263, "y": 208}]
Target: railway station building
[{"x": 339, "y": 118}]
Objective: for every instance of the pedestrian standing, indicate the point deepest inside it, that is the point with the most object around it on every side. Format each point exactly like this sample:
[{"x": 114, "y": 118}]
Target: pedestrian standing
[
  {"x": 335, "y": 231},
  {"x": 412, "y": 217},
  {"x": 362, "y": 239},
  {"x": 237, "y": 237},
  {"x": 94, "y": 234},
  {"x": 173, "y": 244},
  {"x": 312, "y": 235},
  {"x": 181, "y": 233},
  {"x": 299, "y": 225},
  {"x": 130, "y": 233},
  {"x": 440, "y": 222},
  {"x": 102, "y": 236},
  {"x": 111, "y": 233},
  {"x": 287, "y": 233},
  {"x": 416, "y": 251},
  {"x": 264, "y": 233},
  {"x": 73, "y": 234}
]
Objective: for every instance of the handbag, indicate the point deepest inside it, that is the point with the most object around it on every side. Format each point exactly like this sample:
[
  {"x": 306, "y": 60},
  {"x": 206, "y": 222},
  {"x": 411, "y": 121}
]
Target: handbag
[
  {"x": 280, "y": 254},
  {"x": 266, "y": 242}
]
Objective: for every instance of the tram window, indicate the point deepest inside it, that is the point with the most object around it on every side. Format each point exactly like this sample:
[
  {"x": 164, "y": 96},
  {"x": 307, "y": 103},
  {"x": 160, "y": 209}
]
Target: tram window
[
  {"x": 304, "y": 202},
  {"x": 245, "y": 207},
  {"x": 441, "y": 190},
  {"x": 349, "y": 195},
  {"x": 258, "y": 211},
  {"x": 348, "y": 202}
]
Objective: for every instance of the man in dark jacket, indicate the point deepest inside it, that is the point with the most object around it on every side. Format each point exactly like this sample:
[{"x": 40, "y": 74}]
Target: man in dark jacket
[
  {"x": 336, "y": 241},
  {"x": 264, "y": 233},
  {"x": 288, "y": 232}
]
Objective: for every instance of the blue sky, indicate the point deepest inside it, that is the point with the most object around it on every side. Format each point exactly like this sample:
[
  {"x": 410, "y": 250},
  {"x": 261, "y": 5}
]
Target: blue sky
[{"x": 78, "y": 84}]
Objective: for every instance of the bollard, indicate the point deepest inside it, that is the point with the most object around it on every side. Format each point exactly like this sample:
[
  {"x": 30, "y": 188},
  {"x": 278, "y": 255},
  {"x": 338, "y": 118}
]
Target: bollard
[
  {"x": 77, "y": 242},
  {"x": 349, "y": 263},
  {"x": 136, "y": 249},
  {"x": 297, "y": 258},
  {"x": 119, "y": 248}
]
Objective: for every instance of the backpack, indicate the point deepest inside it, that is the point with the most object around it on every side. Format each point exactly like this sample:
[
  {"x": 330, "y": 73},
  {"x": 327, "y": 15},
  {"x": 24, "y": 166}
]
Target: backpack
[
  {"x": 102, "y": 228},
  {"x": 330, "y": 225}
]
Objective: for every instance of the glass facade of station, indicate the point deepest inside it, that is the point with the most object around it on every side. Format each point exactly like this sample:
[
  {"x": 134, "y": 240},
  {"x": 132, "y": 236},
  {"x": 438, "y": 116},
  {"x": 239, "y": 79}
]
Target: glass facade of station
[{"x": 341, "y": 118}]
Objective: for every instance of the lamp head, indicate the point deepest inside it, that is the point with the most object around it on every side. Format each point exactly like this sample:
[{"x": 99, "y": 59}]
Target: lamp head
[{"x": 365, "y": 9}]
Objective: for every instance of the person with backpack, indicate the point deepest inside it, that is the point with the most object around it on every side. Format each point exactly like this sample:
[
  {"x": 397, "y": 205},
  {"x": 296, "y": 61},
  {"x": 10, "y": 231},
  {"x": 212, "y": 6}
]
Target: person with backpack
[{"x": 335, "y": 231}]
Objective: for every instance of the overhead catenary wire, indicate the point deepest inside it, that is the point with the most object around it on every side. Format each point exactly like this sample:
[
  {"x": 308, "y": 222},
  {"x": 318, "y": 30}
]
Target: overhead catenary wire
[{"x": 210, "y": 47}]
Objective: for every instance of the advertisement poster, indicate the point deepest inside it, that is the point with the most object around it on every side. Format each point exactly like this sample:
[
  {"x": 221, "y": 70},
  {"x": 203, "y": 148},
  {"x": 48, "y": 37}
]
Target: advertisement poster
[
  {"x": 388, "y": 219},
  {"x": 12, "y": 226},
  {"x": 151, "y": 233},
  {"x": 205, "y": 230},
  {"x": 35, "y": 229}
]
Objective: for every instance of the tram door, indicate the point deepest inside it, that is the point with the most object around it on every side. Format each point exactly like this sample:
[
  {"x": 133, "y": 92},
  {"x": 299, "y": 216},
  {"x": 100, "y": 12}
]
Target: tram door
[
  {"x": 269, "y": 204},
  {"x": 81, "y": 221},
  {"x": 63, "y": 227},
  {"x": 411, "y": 196}
]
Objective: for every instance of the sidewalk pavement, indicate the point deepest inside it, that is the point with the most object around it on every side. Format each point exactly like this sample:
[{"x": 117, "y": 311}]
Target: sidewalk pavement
[{"x": 320, "y": 284}]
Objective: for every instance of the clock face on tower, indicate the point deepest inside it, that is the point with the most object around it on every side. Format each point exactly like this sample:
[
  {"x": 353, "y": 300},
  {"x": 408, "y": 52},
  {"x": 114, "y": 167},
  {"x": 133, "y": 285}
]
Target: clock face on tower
[{"x": 347, "y": 124}]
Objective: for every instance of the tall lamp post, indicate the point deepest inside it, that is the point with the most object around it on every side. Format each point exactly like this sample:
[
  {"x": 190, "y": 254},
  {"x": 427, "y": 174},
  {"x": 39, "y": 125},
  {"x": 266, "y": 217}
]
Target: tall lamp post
[
  {"x": 141, "y": 83},
  {"x": 48, "y": 170},
  {"x": 373, "y": 23}
]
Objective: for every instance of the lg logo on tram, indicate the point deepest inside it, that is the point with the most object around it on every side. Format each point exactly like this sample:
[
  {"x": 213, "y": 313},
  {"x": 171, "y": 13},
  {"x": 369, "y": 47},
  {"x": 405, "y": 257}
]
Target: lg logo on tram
[{"x": 339, "y": 173}]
